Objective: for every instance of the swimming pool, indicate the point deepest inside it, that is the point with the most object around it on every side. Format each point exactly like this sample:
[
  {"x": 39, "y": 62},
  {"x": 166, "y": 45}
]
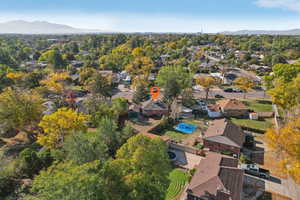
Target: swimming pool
[{"x": 185, "y": 128}]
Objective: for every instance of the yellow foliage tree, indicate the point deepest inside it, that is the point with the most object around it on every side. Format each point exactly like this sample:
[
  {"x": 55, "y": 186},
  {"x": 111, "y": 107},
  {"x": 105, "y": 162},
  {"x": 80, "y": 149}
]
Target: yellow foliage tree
[
  {"x": 286, "y": 95},
  {"x": 21, "y": 110},
  {"x": 285, "y": 142},
  {"x": 244, "y": 83},
  {"x": 59, "y": 125},
  {"x": 55, "y": 81},
  {"x": 207, "y": 83},
  {"x": 16, "y": 75}
]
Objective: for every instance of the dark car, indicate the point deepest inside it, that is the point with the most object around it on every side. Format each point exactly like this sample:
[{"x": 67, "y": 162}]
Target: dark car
[
  {"x": 218, "y": 96},
  {"x": 228, "y": 90}
]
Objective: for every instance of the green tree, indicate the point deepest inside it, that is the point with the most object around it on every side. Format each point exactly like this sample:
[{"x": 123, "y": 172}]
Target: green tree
[
  {"x": 140, "y": 94},
  {"x": 140, "y": 170},
  {"x": 120, "y": 106},
  {"x": 107, "y": 131},
  {"x": 67, "y": 181},
  {"x": 85, "y": 147}
]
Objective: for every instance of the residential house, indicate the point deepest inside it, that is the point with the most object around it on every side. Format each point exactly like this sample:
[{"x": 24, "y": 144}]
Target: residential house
[
  {"x": 223, "y": 135},
  {"x": 213, "y": 111},
  {"x": 216, "y": 178},
  {"x": 233, "y": 108},
  {"x": 154, "y": 108}
]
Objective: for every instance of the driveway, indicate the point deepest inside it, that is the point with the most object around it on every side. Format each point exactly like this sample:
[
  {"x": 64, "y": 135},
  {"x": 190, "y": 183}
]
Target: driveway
[
  {"x": 286, "y": 187},
  {"x": 254, "y": 186}
]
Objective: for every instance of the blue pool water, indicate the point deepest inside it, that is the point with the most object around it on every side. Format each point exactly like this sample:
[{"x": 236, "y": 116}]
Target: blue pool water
[{"x": 185, "y": 128}]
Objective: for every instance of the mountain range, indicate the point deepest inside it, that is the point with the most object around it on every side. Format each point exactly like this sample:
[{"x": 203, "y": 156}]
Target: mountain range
[
  {"x": 44, "y": 27},
  {"x": 41, "y": 27},
  {"x": 263, "y": 32}
]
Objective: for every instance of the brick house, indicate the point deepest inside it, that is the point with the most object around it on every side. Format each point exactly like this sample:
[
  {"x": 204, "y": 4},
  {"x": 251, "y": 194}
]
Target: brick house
[
  {"x": 233, "y": 108},
  {"x": 216, "y": 178},
  {"x": 223, "y": 135}
]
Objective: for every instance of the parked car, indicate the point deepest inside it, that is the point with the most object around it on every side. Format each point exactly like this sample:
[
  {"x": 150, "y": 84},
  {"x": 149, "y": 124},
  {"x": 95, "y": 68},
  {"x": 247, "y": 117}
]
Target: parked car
[
  {"x": 237, "y": 90},
  {"x": 253, "y": 169},
  {"x": 228, "y": 90},
  {"x": 218, "y": 96}
]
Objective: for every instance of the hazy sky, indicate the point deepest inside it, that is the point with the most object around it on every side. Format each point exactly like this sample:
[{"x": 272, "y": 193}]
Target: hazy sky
[{"x": 158, "y": 15}]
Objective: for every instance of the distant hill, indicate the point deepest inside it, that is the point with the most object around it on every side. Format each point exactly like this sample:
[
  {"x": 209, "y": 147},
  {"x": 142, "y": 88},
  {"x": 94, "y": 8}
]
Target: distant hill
[
  {"x": 40, "y": 27},
  {"x": 263, "y": 32}
]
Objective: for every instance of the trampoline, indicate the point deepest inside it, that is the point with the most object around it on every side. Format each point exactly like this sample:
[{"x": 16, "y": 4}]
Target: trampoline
[{"x": 185, "y": 128}]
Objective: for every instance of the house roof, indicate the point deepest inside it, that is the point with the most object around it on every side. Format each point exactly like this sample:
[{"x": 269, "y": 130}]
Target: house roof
[
  {"x": 225, "y": 132},
  {"x": 217, "y": 172},
  {"x": 154, "y": 105},
  {"x": 231, "y": 104}
]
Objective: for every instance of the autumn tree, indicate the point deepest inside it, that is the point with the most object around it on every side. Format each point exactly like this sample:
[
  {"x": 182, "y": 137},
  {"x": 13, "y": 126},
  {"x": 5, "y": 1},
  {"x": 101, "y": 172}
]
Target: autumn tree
[
  {"x": 21, "y": 110},
  {"x": 286, "y": 95},
  {"x": 244, "y": 83},
  {"x": 207, "y": 83},
  {"x": 59, "y": 125},
  {"x": 285, "y": 143},
  {"x": 4, "y": 80},
  {"x": 140, "y": 170},
  {"x": 56, "y": 82},
  {"x": 139, "y": 69},
  {"x": 54, "y": 58}
]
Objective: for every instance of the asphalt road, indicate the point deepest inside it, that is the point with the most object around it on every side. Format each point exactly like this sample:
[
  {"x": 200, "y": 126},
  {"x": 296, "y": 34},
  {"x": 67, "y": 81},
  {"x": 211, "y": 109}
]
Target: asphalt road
[{"x": 213, "y": 92}]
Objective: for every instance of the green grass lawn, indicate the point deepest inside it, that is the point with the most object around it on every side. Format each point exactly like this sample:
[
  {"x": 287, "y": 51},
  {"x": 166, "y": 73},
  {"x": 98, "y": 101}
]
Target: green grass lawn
[
  {"x": 178, "y": 180},
  {"x": 176, "y": 136},
  {"x": 261, "y": 125},
  {"x": 259, "y": 105}
]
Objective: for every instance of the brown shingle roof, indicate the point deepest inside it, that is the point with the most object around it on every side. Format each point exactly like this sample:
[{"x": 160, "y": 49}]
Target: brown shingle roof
[
  {"x": 231, "y": 104},
  {"x": 230, "y": 133},
  {"x": 217, "y": 173}
]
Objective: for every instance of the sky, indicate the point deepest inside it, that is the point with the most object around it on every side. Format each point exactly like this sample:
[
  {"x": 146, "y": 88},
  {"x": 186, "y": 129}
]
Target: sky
[{"x": 158, "y": 15}]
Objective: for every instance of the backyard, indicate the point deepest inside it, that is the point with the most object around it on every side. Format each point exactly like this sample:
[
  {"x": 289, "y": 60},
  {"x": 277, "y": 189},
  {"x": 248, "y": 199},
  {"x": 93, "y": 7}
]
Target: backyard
[
  {"x": 261, "y": 125},
  {"x": 259, "y": 105},
  {"x": 178, "y": 179}
]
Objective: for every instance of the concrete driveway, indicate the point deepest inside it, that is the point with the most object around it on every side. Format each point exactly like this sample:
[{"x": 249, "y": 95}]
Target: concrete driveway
[
  {"x": 255, "y": 186},
  {"x": 287, "y": 187}
]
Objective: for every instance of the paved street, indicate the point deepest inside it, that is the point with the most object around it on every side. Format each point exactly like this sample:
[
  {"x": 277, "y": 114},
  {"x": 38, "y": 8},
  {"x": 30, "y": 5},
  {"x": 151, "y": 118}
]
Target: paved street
[{"x": 213, "y": 92}]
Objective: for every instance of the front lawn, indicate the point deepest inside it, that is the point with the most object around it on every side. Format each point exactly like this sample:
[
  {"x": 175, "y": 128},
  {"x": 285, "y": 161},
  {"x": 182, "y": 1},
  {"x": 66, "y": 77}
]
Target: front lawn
[
  {"x": 178, "y": 179},
  {"x": 262, "y": 125},
  {"x": 259, "y": 105}
]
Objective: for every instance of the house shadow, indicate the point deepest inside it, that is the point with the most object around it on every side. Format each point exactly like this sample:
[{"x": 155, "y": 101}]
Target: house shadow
[
  {"x": 275, "y": 180},
  {"x": 253, "y": 187}
]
